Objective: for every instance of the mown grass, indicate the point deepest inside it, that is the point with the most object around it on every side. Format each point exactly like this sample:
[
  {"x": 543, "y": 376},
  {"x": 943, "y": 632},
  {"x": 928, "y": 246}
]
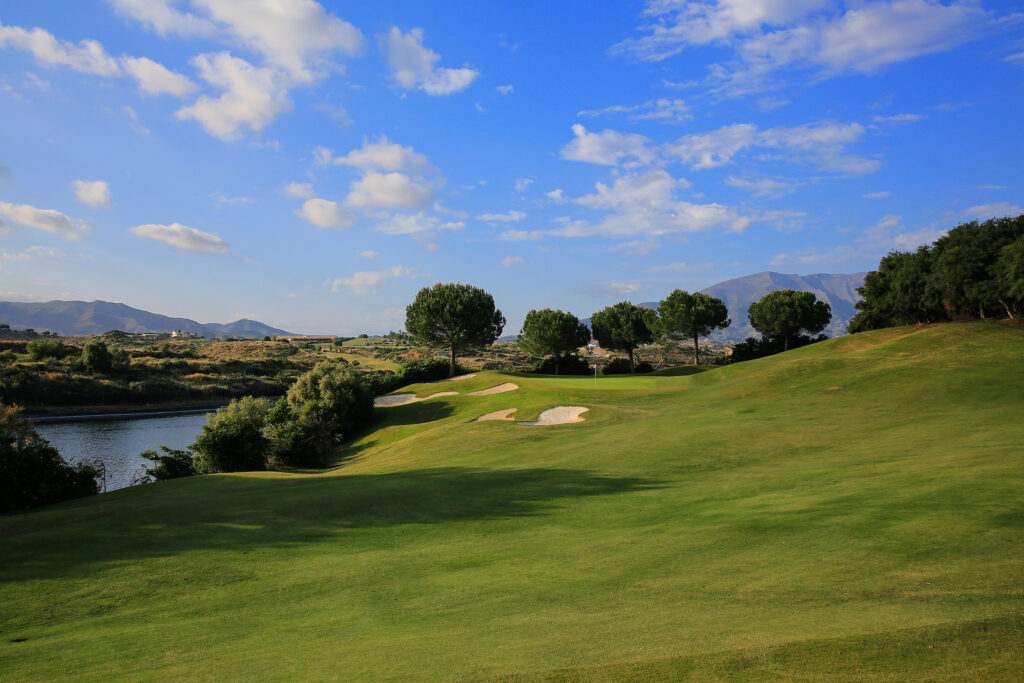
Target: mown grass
[{"x": 850, "y": 510}]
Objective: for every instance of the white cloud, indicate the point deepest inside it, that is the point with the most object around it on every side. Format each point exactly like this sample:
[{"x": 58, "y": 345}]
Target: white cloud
[
  {"x": 383, "y": 156},
  {"x": 992, "y": 210},
  {"x": 87, "y": 57},
  {"x": 523, "y": 183},
  {"x": 607, "y": 148},
  {"x": 220, "y": 200},
  {"x": 664, "y": 110},
  {"x": 521, "y": 235},
  {"x": 820, "y": 36},
  {"x": 505, "y": 89},
  {"x": 643, "y": 204},
  {"x": 324, "y": 213},
  {"x": 898, "y": 118},
  {"x": 368, "y": 281},
  {"x": 715, "y": 148},
  {"x": 414, "y": 66},
  {"x": 415, "y": 223},
  {"x": 183, "y": 237},
  {"x": 605, "y": 290},
  {"x": 557, "y": 195},
  {"x": 388, "y": 191},
  {"x": 369, "y": 254},
  {"x": 156, "y": 79},
  {"x": 636, "y": 247},
  {"x": 680, "y": 268},
  {"x": 1017, "y": 58},
  {"x": 511, "y": 261},
  {"x": 163, "y": 18},
  {"x": 33, "y": 254},
  {"x": 133, "y": 121},
  {"x": 510, "y": 217},
  {"x": 878, "y": 195},
  {"x": 93, "y": 193},
  {"x": 291, "y": 35},
  {"x": 299, "y": 190},
  {"x": 821, "y": 144},
  {"x": 760, "y": 187},
  {"x": 253, "y": 96},
  {"x": 44, "y": 219}
]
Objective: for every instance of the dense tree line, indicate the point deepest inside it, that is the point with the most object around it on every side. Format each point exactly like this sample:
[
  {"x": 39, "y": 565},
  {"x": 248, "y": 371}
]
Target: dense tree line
[{"x": 976, "y": 270}]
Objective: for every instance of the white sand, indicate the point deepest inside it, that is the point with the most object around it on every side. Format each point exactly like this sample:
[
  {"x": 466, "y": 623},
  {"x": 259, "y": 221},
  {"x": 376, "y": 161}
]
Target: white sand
[
  {"x": 558, "y": 416},
  {"x": 500, "y": 389},
  {"x": 497, "y": 415},
  {"x": 406, "y": 399}
]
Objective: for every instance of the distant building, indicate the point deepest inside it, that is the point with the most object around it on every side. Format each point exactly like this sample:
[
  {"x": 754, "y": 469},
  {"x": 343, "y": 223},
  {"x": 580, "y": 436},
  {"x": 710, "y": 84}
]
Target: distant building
[{"x": 182, "y": 334}]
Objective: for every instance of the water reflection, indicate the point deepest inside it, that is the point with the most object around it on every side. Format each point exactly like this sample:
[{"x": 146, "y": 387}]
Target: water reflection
[{"x": 118, "y": 442}]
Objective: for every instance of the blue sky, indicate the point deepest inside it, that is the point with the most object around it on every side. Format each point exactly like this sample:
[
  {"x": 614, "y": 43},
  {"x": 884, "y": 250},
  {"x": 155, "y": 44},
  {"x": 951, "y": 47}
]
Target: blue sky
[{"x": 312, "y": 165}]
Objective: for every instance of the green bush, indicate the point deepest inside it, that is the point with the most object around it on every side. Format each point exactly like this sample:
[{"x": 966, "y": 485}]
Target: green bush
[
  {"x": 8, "y": 356},
  {"x": 96, "y": 356},
  {"x": 46, "y": 348},
  {"x": 170, "y": 464},
  {"x": 618, "y": 366},
  {"x": 232, "y": 439},
  {"x": 32, "y": 472},
  {"x": 570, "y": 364},
  {"x": 330, "y": 404}
]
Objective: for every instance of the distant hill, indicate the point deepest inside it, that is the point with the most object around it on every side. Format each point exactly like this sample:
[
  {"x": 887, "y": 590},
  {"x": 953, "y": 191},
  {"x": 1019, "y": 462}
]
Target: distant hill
[
  {"x": 839, "y": 290},
  {"x": 97, "y": 317}
]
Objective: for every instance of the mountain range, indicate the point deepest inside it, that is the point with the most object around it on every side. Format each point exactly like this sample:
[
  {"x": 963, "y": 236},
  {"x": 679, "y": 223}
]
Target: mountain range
[{"x": 97, "y": 317}]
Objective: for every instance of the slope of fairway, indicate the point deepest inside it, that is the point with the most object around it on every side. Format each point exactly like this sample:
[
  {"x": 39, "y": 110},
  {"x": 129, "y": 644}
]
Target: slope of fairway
[{"x": 852, "y": 509}]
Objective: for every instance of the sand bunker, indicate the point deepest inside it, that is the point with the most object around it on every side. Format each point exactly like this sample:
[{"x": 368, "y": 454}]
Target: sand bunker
[
  {"x": 500, "y": 389},
  {"x": 552, "y": 416},
  {"x": 497, "y": 415},
  {"x": 558, "y": 416},
  {"x": 406, "y": 399},
  {"x": 452, "y": 379}
]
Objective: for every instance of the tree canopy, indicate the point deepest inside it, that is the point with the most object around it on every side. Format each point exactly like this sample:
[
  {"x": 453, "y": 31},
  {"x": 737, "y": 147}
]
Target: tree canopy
[
  {"x": 624, "y": 327},
  {"x": 691, "y": 316},
  {"x": 967, "y": 273},
  {"x": 455, "y": 316},
  {"x": 787, "y": 312},
  {"x": 552, "y": 332}
]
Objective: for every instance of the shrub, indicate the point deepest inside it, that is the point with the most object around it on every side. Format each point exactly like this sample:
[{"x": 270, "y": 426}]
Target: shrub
[
  {"x": 46, "y": 348},
  {"x": 570, "y": 364},
  {"x": 96, "y": 356},
  {"x": 618, "y": 366},
  {"x": 330, "y": 404},
  {"x": 32, "y": 472},
  {"x": 643, "y": 367},
  {"x": 171, "y": 464},
  {"x": 232, "y": 440},
  {"x": 291, "y": 445},
  {"x": 8, "y": 356}
]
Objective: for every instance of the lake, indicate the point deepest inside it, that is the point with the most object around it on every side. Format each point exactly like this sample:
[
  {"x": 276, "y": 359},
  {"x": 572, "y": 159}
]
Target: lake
[{"x": 118, "y": 442}]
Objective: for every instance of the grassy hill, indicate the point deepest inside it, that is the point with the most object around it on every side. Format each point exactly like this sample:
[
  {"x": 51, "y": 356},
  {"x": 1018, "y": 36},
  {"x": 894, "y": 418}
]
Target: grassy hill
[{"x": 848, "y": 510}]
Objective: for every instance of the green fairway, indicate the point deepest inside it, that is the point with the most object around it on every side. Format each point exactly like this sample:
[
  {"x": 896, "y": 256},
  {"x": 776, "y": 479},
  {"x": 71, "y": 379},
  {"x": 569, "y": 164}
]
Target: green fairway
[{"x": 849, "y": 510}]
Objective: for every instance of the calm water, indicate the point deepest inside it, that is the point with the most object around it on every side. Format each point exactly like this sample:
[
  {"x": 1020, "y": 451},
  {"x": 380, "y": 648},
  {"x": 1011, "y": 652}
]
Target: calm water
[{"x": 118, "y": 442}]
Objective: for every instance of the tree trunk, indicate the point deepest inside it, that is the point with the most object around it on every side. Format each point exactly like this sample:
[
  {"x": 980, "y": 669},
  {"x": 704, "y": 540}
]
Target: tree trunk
[
  {"x": 1009, "y": 313},
  {"x": 785, "y": 342},
  {"x": 632, "y": 363},
  {"x": 451, "y": 367},
  {"x": 556, "y": 364},
  {"x": 696, "y": 351}
]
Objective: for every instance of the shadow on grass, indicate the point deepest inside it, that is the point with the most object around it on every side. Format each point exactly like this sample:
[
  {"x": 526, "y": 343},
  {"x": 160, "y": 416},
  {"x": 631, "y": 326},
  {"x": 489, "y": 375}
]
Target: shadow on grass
[
  {"x": 412, "y": 413},
  {"x": 238, "y": 514}
]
